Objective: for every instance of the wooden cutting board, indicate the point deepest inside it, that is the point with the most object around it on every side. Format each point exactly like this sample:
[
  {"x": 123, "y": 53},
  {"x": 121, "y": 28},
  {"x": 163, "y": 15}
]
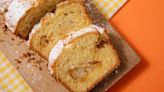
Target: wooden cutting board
[{"x": 34, "y": 70}]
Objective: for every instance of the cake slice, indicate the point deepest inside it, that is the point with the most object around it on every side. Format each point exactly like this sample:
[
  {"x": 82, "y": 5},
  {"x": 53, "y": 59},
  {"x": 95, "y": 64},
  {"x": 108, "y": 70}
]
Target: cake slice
[
  {"x": 83, "y": 59},
  {"x": 21, "y": 15},
  {"x": 69, "y": 16}
]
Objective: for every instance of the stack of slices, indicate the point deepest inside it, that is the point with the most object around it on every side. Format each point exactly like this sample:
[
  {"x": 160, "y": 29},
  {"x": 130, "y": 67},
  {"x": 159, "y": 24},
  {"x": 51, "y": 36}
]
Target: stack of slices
[{"x": 79, "y": 52}]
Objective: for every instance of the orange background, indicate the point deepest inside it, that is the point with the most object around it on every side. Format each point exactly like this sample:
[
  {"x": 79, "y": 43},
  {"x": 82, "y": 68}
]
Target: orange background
[{"x": 141, "y": 23}]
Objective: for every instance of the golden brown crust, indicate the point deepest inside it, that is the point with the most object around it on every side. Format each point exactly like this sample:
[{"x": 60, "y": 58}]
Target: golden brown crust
[
  {"x": 17, "y": 27},
  {"x": 82, "y": 2},
  {"x": 69, "y": 1}
]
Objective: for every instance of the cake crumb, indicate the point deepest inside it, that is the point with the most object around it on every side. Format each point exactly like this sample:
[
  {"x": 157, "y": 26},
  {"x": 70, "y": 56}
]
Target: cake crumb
[
  {"x": 25, "y": 55},
  {"x": 12, "y": 39},
  {"x": 18, "y": 61},
  {"x": 2, "y": 40},
  {"x": 5, "y": 31},
  {"x": 28, "y": 54},
  {"x": 17, "y": 67},
  {"x": 35, "y": 65},
  {"x": 40, "y": 68},
  {"x": 65, "y": 14},
  {"x": 39, "y": 61},
  {"x": 33, "y": 58},
  {"x": 116, "y": 71},
  {"x": 21, "y": 41},
  {"x": 17, "y": 52},
  {"x": 102, "y": 43},
  {"x": 18, "y": 44},
  {"x": 29, "y": 60}
]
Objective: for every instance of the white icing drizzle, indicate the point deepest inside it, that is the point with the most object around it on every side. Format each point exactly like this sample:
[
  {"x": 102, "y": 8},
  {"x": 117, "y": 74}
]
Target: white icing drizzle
[
  {"x": 58, "y": 48},
  {"x": 4, "y": 4},
  {"x": 16, "y": 11}
]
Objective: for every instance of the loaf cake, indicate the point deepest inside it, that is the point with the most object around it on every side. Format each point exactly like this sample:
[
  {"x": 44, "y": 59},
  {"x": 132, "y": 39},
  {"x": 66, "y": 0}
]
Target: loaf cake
[
  {"x": 21, "y": 15},
  {"x": 69, "y": 16},
  {"x": 77, "y": 47},
  {"x": 83, "y": 59}
]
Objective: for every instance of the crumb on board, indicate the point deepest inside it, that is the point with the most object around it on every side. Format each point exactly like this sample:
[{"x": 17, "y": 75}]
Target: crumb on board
[
  {"x": 1, "y": 40},
  {"x": 12, "y": 39},
  {"x": 28, "y": 54},
  {"x": 22, "y": 41},
  {"x": 32, "y": 60},
  {"x": 17, "y": 67},
  {"x": 5, "y": 30},
  {"x": 40, "y": 68},
  {"x": 35, "y": 65},
  {"x": 18, "y": 61},
  {"x": 29, "y": 60},
  {"x": 39, "y": 61},
  {"x": 18, "y": 44}
]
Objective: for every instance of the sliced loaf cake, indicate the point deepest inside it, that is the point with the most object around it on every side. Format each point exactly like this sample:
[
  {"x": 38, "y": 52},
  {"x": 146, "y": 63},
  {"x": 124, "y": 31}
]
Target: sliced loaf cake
[
  {"x": 69, "y": 16},
  {"x": 23, "y": 14},
  {"x": 79, "y": 52},
  {"x": 83, "y": 59}
]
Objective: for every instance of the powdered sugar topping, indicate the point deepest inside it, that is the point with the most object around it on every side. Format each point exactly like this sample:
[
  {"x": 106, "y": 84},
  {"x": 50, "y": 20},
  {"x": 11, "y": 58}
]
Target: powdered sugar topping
[
  {"x": 16, "y": 11},
  {"x": 4, "y": 4}
]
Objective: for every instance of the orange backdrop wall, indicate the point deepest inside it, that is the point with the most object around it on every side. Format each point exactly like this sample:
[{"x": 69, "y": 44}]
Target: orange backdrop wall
[{"x": 141, "y": 23}]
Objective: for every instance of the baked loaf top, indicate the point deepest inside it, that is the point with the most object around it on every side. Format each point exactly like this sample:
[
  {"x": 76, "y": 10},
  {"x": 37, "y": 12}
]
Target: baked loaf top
[
  {"x": 69, "y": 16},
  {"x": 23, "y": 14},
  {"x": 83, "y": 60}
]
